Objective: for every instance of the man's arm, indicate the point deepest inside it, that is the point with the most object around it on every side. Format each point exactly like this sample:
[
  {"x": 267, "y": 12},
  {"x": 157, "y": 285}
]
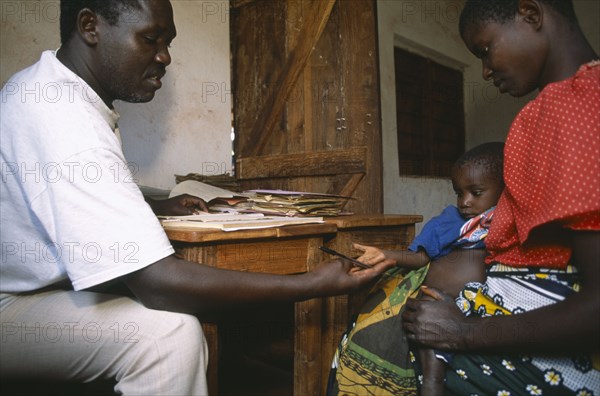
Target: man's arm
[
  {"x": 178, "y": 285},
  {"x": 565, "y": 327}
]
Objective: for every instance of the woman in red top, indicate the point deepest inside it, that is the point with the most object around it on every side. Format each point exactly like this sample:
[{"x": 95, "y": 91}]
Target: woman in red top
[{"x": 533, "y": 327}]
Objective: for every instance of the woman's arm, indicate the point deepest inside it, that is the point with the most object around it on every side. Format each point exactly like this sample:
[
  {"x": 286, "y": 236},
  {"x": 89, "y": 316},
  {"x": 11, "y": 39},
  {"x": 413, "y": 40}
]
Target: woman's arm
[{"x": 565, "y": 327}]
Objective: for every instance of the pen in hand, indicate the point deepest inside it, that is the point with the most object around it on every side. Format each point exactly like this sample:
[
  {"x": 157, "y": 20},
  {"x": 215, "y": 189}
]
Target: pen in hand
[{"x": 352, "y": 260}]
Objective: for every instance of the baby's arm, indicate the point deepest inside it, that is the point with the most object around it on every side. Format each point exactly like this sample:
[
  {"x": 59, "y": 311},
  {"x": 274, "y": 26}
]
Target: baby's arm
[{"x": 407, "y": 259}]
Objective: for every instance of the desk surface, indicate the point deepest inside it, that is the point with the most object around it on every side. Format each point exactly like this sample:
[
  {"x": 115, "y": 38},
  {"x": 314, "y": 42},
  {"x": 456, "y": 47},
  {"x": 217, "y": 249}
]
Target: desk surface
[
  {"x": 214, "y": 235},
  {"x": 330, "y": 226}
]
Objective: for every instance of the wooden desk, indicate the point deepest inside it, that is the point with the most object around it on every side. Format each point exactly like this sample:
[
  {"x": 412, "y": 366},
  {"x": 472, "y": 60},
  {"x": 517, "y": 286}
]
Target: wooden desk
[
  {"x": 319, "y": 323},
  {"x": 283, "y": 250}
]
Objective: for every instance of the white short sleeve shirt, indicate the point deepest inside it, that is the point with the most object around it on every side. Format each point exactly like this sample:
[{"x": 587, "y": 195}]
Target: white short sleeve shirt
[{"x": 69, "y": 203}]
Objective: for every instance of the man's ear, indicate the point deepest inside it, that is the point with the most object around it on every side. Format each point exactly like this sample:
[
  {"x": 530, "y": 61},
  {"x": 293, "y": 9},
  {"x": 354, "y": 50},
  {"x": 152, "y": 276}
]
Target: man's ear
[
  {"x": 532, "y": 12},
  {"x": 87, "y": 21}
]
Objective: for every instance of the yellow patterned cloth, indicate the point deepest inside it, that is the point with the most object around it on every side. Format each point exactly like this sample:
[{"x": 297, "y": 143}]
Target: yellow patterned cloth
[{"x": 373, "y": 356}]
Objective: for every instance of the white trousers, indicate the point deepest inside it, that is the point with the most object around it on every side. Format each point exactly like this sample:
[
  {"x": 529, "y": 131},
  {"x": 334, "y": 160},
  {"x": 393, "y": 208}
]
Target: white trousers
[{"x": 83, "y": 336}]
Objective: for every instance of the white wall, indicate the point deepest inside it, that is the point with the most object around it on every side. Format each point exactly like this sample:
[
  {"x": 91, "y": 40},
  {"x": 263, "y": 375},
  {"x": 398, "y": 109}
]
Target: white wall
[
  {"x": 187, "y": 130},
  {"x": 187, "y": 127},
  {"x": 430, "y": 28}
]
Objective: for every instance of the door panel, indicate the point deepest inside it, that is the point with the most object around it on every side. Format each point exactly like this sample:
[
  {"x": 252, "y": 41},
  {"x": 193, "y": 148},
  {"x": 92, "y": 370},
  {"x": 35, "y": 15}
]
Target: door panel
[{"x": 306, "y": 98}]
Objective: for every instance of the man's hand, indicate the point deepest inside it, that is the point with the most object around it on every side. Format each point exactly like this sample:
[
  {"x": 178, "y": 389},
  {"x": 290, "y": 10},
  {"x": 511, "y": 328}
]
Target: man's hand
[
  {"x": 341, "y": 277},
  {"x": 179, "y": 205}
]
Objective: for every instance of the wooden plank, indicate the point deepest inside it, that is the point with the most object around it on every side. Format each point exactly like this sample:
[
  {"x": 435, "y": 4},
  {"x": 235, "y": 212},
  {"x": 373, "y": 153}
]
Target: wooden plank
[
  {"x": 240, "y": 3},
  {"x": 358, "y": 49},
  {"x": 372, "y": 220},
  {"x": 308, "y": 374},
  {"x": 213, "y": 235},
  {"x": 211, "y": 333},
  {"x": 258, "y": 31},
  {"x": 351, "y": 185},
  {"x": 330, "y": 162},
  {"x": 316, "y": 19},
  {"x": 273, "y": 257},
  {"x": 207, "y": 255},
  {"x": 295, "y": 136}
]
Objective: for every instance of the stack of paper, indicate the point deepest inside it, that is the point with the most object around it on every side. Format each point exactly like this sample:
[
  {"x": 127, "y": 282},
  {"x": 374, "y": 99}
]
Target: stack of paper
[
  {"x": 269, "y": 202},
  {"x": 233, "y": 222},
  {"x": 296, "y": 203}
]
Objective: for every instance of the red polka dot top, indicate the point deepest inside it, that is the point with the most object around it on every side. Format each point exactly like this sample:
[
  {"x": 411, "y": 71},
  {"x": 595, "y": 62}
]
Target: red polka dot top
[{"x": 552, "y": 174}]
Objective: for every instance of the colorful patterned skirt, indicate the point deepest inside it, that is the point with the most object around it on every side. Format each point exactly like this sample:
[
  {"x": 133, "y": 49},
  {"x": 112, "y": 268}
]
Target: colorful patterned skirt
[
  {"x": 511, "y": 291},
  {"x": 374, "y": 357}
]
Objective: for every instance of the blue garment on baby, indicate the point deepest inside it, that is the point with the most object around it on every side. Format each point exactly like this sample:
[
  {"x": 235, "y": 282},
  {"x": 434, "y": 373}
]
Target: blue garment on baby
[{"x": 439, "y": 234}]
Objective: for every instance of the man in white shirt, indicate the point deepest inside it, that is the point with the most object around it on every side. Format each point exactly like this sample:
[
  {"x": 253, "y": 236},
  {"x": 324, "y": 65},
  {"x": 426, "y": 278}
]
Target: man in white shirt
[{"x": 71, "y": 216}]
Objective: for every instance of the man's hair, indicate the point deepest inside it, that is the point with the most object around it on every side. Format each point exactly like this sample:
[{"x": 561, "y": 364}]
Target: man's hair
[
  {"x": 487, "y": 155},
  {"x": 108, "y": 9},
  {"x": 501, "y": 11}
]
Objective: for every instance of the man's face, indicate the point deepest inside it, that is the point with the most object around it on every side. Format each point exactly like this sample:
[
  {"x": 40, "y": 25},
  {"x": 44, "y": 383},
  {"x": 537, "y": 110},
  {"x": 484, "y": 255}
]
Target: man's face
[
  {"x": 133, "y": 54},
  {"x": 511, "y": 54}
]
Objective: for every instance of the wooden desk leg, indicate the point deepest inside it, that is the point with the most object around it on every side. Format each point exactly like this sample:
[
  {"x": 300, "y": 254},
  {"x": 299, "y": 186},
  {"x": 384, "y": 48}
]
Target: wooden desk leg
[
  {"x": 212, "y": 339},
  {"x": 308, "y": 337},
  {"x": 208, "y": 256},
  {"x": 307, "y": 348},
  {"x": 334, "y": 326}
]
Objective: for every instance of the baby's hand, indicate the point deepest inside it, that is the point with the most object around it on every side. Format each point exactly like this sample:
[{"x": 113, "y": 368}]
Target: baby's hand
[{"x": 372, "y": 255}]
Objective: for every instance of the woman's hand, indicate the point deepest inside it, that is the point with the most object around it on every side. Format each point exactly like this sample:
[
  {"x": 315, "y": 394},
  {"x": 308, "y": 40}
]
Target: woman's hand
[
  {"x": 435, "y": 321},
  {"x": 179, "y": 205},
  {"x": 372, "y": 255}
]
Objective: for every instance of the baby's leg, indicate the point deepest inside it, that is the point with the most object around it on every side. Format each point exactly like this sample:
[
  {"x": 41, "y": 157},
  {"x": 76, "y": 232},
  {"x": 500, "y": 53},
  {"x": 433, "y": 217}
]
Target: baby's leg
[
  {"x": 451, "y": 272},
  {"x": 434, "y": 372}
]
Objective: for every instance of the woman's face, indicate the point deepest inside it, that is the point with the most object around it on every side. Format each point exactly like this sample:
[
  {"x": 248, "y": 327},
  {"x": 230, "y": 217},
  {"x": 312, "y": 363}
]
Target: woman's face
[{"x": 512, "y": 54}]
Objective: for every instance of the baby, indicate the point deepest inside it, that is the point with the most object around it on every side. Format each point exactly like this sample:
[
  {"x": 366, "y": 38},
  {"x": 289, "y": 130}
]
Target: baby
[{"x": 478, "y": 183}]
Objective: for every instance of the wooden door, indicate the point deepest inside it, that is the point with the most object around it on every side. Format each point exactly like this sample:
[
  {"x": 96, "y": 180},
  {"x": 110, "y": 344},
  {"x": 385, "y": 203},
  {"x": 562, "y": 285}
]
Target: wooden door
[{"x": 306, "y": 98}]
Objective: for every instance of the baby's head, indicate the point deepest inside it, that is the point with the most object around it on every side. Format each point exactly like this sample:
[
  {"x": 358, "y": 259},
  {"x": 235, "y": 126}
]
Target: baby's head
[{"x": 477, "y": 178}]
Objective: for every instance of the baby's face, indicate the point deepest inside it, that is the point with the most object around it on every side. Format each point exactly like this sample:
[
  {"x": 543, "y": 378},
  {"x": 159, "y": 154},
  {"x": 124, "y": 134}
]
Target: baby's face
[{"x": 476, "y": 190}]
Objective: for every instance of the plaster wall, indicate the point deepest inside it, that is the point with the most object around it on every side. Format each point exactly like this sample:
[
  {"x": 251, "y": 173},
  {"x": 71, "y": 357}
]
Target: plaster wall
[{"x": 187, "y": 127}]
